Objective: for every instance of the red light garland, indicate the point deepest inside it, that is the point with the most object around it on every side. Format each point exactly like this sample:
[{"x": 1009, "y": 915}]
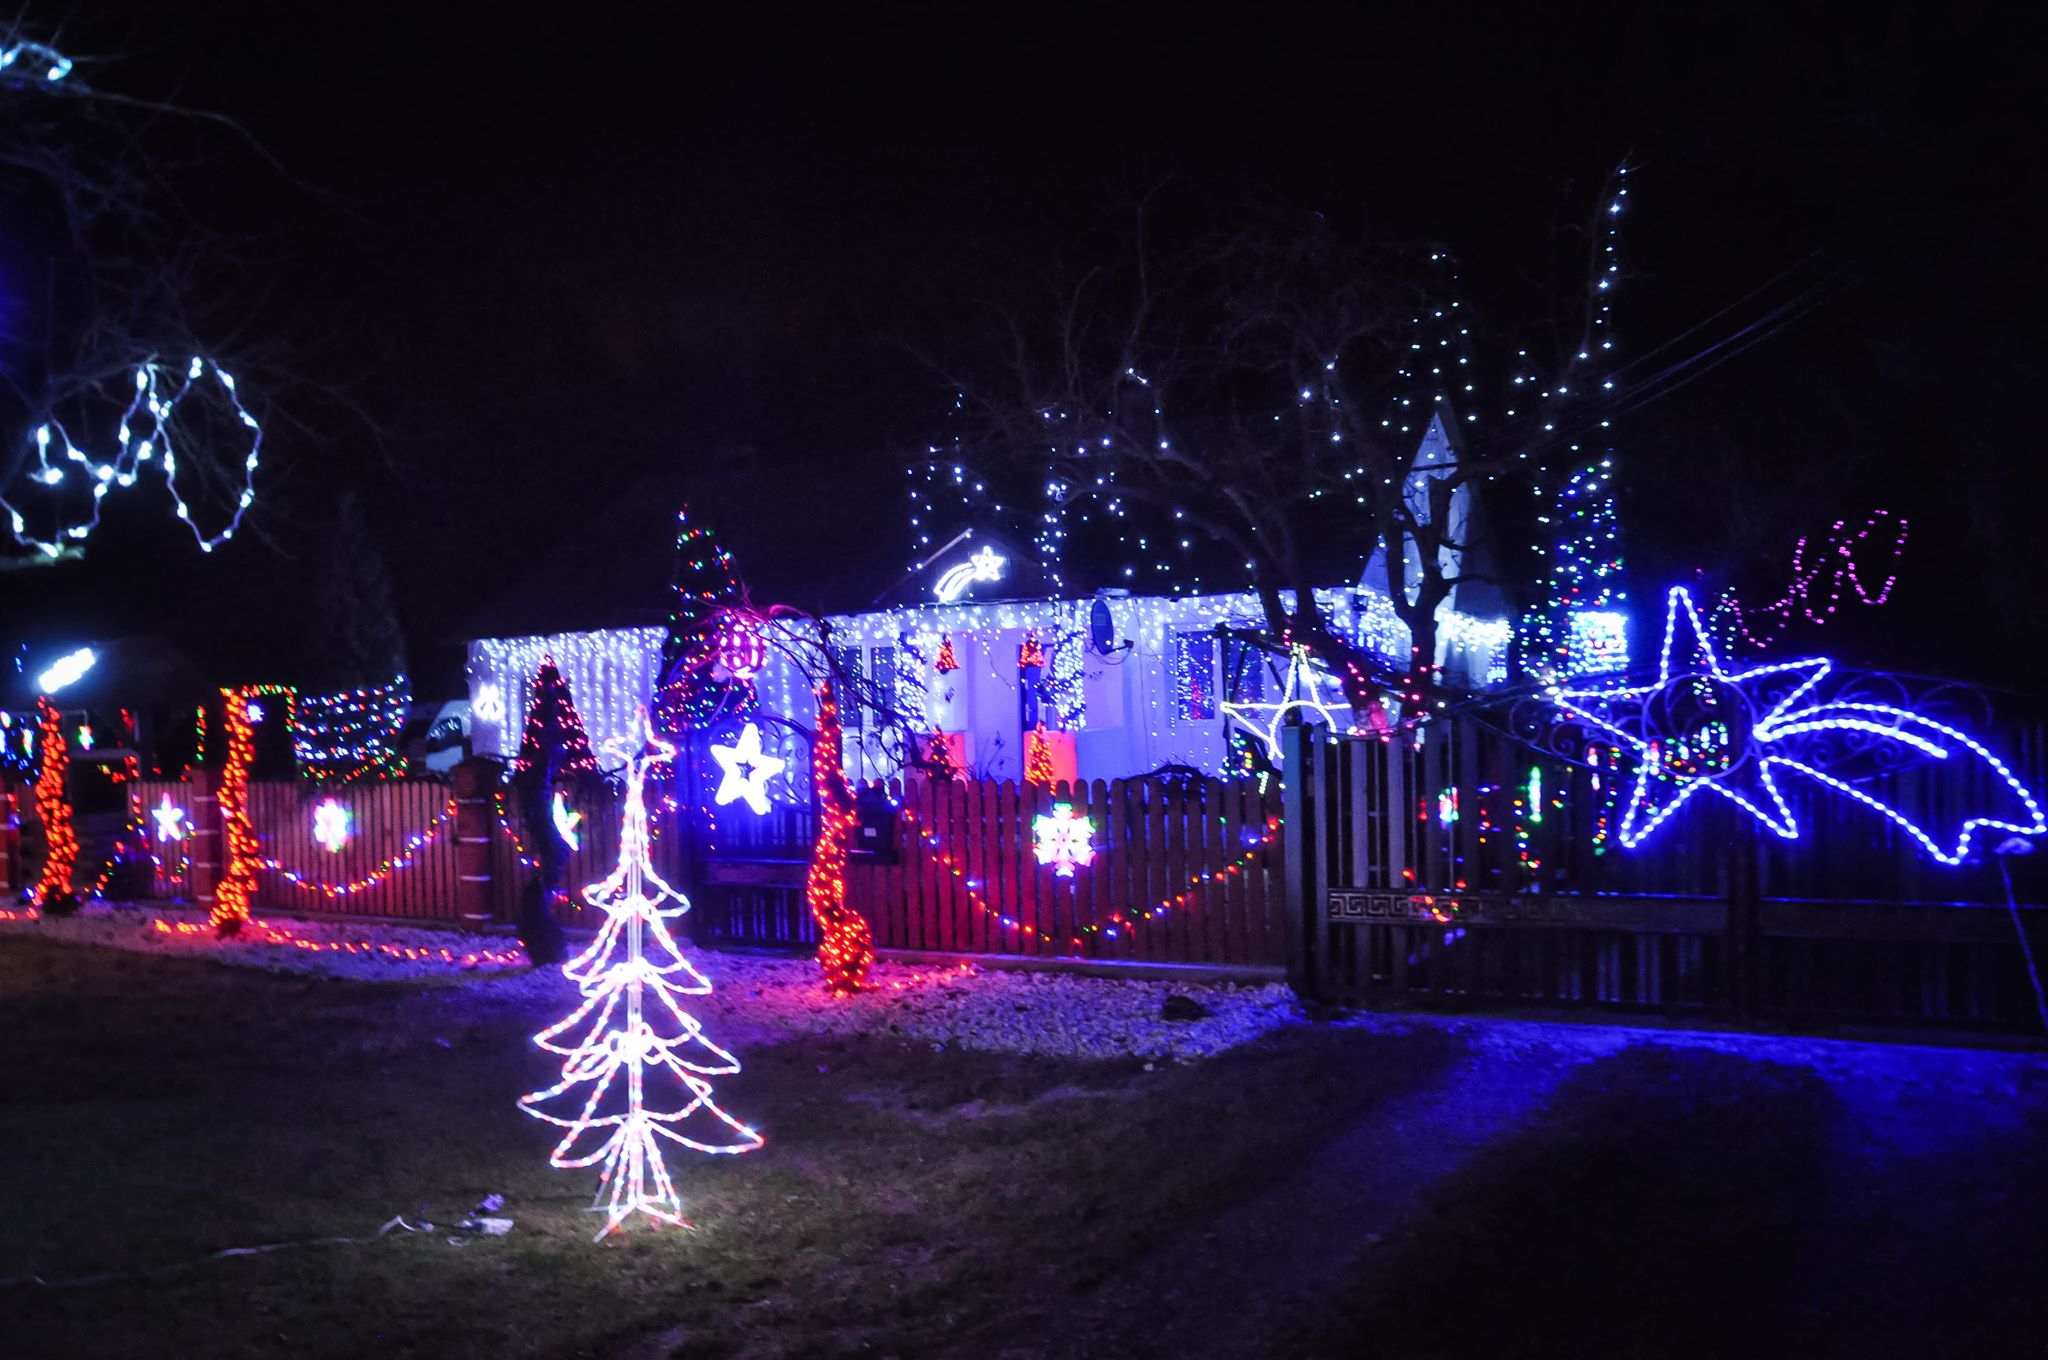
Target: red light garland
[
  {"x": 269, "y": 932},
  {"x": 53, "y": 885},
  {"x": 243, "y": 855},
  {"x": 847, "y": 950}
]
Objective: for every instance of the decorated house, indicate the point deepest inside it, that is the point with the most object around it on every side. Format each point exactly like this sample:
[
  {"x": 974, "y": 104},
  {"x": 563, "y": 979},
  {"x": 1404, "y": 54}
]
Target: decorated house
[{"x": 994, "y": 667}]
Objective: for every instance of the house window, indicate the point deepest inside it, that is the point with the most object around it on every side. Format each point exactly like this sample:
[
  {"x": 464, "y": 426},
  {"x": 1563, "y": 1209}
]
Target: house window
[
  {"x": 885, "y": 675},
  {"x": 1194, "y": 676},
  {"x": 1244, "y": 672},
  {"x": 847, "y": 661}
]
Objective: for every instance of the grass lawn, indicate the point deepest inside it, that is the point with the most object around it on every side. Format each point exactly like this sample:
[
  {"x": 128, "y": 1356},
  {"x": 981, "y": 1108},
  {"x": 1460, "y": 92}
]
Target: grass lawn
[{"x": 912, "y": 1203}]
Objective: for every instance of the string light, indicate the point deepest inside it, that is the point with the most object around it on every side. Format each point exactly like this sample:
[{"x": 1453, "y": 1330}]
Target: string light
[
  {"x": 846, "y": 946},
  {"x": 53, "y": 805},
  {"x": 1839, "y": 562},
  {"x": 1119, "y": 920},
  {"x": 1699, "y": 726},
  {"x": 270, "y": 932},
  {"x": 146, "y": 431},
  {"x": 345, "y": 736},
  {"x": 615, "y": 1040},
  {"x": 404, "y": 858}
]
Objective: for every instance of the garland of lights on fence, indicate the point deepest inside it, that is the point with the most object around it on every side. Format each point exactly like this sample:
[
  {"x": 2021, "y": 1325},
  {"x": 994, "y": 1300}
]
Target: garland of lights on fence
[{"x": 1119, "y": 921}]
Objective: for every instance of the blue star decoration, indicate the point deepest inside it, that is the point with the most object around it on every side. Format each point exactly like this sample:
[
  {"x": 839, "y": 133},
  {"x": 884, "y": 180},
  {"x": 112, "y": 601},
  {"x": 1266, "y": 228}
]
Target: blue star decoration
[{"x": 1699, "y": 726}]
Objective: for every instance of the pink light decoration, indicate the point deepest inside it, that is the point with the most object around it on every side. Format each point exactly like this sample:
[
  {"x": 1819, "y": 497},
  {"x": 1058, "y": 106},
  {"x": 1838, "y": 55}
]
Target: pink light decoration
[{"x": 1838, "y": 563}]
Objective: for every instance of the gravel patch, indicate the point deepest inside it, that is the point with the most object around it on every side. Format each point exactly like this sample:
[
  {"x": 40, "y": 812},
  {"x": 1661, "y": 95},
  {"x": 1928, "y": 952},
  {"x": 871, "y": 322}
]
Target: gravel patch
[{"x": 758, "y": 999}]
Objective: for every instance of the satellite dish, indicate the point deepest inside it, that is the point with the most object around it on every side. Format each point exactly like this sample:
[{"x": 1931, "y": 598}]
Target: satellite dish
[{"x": 1101, "y": 627}]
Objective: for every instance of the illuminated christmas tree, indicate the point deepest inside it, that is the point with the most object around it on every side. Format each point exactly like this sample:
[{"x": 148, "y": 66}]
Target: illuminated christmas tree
[
  {"x": 694, "y": 687},
  {"x": 631, "y": 1031}
]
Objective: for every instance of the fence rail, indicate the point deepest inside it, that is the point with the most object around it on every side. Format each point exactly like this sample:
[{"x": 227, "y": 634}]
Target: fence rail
[
  {"x": 1182, "y": 873},
  {"x": 1464, "y": 871}
]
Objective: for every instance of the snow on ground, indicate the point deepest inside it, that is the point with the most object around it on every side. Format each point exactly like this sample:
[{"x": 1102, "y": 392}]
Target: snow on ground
[{"x": 757, "y": 999}]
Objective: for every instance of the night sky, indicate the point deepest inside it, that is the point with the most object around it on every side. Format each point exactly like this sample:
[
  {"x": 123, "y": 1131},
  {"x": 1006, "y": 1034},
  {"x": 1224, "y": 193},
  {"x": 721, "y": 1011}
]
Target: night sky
[{"x": 526, "y": 284}]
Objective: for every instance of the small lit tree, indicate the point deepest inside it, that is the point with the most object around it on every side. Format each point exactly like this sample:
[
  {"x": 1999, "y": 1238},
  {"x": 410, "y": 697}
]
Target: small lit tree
[{"x": 631, "y": 1029}]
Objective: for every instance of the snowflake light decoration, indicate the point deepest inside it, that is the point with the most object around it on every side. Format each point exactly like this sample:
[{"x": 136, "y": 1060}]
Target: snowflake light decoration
[
  {"x": 332, "y": 825},
  {"x": 1064, "y": 839}
]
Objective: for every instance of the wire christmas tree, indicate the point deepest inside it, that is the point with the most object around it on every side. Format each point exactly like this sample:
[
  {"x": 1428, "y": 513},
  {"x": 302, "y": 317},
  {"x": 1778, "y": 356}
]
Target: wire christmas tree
[{"x": 630, "y": 1029}]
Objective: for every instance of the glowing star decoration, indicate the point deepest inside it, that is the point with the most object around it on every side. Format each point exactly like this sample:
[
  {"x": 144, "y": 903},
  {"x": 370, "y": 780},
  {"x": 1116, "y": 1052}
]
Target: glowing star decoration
[
  {"x": 255, "y": 713},
  {"x": 631, "y": 1032},
  {"x": 1699, "y": 726},
  {"x": 1264, "y": 720},
  {"x": 66, "y": 670},
  {"x": 984, "y": 565},
  {"x": 1064, "y": 839},
  {"x": 331, "y": 825},
  {"x": 566, "y": 821},
  {"x": 170, "y": 820},
  {"x": 747, "y": 771}
]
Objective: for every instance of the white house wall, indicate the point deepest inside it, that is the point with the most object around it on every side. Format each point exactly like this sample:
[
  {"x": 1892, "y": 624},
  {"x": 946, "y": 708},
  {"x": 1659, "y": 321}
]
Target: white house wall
[{"x": 1132, "y": 721}]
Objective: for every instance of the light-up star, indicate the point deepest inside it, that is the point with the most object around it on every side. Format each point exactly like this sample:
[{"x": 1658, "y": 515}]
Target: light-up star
[
  {"x": 566, "y": 821},
  {"x": 1698, "y": 726},
  {"x": 747, "y": 771},
  {"x": 1064, "y": 839},
  {"x": 170, "y": 821},
  {"x": 984, "y": 565},
  {"x": 1264, "y": 721},
  {"x": 255, "y": 712},
  {"x": 331, "y": 825}
]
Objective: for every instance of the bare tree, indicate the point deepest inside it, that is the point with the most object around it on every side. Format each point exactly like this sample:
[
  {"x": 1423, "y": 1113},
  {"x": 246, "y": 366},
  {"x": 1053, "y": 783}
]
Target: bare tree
[{"x": 1265, "y": 391}]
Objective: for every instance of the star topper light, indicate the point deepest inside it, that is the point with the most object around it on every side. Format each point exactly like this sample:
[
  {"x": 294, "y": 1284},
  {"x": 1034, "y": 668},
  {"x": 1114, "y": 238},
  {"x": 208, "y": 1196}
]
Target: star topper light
[
  {"x": 1699, "y": 726},
  {"x": 747, "y": 771},
  {"x": 1302, "y": 694}
]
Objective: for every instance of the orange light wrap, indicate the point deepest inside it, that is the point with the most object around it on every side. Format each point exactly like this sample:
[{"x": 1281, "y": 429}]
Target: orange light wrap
[
  {"x": 1038, "y": 758},
  {"x": 244, "y": 856},
  {"x": 947, "y": 661},
  {"x": 847, "y": 950},
  {"x": 51, "y": 805}
]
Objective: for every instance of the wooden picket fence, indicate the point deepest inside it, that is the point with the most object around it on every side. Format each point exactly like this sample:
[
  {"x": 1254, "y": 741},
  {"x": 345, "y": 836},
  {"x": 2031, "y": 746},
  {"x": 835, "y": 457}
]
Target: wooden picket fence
[
  {"x": 386, "y": 818},
  {"x": 1183, "y": 872}
]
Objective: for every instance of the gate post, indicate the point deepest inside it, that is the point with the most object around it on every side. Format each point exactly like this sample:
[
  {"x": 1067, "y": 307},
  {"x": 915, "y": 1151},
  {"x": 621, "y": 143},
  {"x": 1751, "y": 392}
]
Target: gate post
[
  {"x": 10, "y": 837},
  {"x": 202, "y": 816},
  {"x": 1299, "y": 879},
  {"x": 474, "y": 901},
  {"x": 1745, "y": 917}
]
